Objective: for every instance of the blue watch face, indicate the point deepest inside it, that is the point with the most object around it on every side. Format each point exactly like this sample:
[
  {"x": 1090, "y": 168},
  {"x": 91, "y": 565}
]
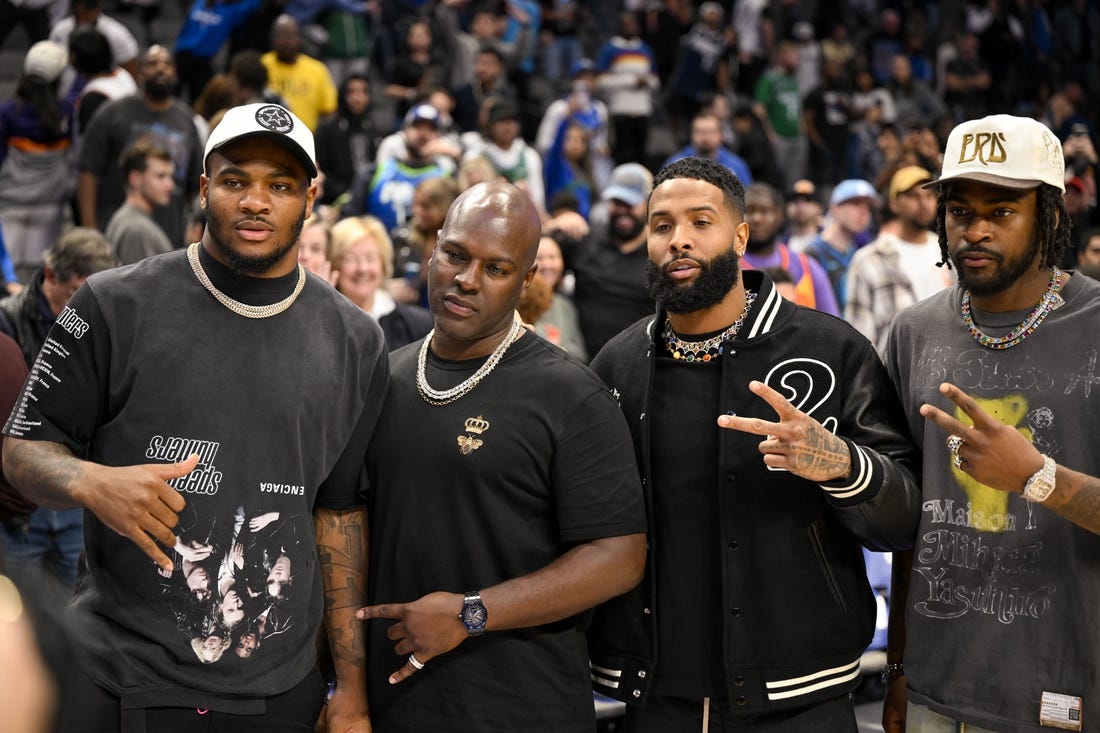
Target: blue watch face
[{"x": 474, "y": 616}]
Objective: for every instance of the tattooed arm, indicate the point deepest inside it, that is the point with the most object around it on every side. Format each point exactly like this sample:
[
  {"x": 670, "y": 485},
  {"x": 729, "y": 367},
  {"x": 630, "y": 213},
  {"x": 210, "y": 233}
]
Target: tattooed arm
[
  {"x": 342, "y": 548},
  {"x": 135, "y": 501},
  {"x": 1077, "y": 498},
  {"x": 797, "y": 443}
]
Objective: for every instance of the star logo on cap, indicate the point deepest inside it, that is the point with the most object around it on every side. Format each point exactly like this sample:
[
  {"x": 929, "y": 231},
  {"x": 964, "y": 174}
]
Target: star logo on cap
[{"x": 274, "y": 118}]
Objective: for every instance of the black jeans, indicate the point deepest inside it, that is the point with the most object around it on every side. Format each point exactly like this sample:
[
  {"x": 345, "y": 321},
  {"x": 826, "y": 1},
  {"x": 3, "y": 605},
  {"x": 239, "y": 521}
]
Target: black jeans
[{"x": 675, "y": 715}]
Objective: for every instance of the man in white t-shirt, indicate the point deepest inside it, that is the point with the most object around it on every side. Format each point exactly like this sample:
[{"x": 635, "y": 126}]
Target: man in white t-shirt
[
  {"x": 87, "y": 13},
  {"x": 901, "y": 266}
]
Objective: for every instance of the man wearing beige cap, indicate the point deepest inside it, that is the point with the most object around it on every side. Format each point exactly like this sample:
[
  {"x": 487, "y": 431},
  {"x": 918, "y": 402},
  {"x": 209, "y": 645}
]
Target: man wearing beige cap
[
  {"x": 899, "y": 267},
  {"x": 223, "y": 512},
  {"x": 993, "y": 622}
]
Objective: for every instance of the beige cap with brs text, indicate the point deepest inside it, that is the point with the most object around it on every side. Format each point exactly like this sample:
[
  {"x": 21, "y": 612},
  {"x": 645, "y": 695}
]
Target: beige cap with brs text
[{"x": 1002, "y": 150}]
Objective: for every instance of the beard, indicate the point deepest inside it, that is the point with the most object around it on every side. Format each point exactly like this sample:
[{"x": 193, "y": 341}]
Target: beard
[
  {"x": 1006, "y": 273},
  {"x": 251, "y": 265},
  {"x": 715, "y": 280},
  {"x": 159, "y": 88},
  {"x": 621, "y": 231}
]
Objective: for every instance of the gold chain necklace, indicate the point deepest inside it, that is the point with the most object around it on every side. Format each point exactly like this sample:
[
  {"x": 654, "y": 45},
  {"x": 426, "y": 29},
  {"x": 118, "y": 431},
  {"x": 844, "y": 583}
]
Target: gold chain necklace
[
  {"x": 445, "y": 397},
  {"x": 243, "y": 309}
]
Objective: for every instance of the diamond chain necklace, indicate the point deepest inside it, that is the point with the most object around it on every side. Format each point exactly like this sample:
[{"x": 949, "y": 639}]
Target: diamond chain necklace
[
  {"x": 243, "y": 309},
  {"x": 1050, "y": 300},
  {"x": 703, "y": 351},
  {"x": 445, "y": 397}
]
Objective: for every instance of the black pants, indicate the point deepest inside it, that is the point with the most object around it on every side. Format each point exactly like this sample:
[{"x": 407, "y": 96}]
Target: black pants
[
  {"x": 631, "y": 134},
  {"x": 92, "y": 709},
  {"x": 675, "y": 715},
  {"x": 35, "y": 20}
]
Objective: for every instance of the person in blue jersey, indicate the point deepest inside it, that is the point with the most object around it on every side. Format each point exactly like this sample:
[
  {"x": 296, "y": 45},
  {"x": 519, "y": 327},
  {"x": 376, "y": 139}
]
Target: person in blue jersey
[{"x": 386, "y": 191}]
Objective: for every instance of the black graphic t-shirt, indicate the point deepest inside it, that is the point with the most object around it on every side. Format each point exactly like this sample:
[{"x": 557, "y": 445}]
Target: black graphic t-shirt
[{"x": 144, "y": 366}]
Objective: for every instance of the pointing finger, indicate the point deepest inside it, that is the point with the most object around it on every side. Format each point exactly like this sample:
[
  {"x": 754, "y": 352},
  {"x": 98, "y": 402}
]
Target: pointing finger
[{"x": 385, "y": 610}]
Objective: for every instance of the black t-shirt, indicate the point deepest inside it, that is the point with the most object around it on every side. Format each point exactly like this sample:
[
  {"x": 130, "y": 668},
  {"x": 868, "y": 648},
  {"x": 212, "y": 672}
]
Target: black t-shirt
[
  {"x": 498, "y": 484},
  {"x": 611, "y": 290},
  {"x": 686, "y": 533},
  {"x": 121, "y": 123},
  {"x": 145, "y": 366}
]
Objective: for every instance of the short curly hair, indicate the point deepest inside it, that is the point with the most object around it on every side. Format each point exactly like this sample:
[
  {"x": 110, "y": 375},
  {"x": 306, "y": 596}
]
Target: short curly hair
[{"x": 708, "y": 171}]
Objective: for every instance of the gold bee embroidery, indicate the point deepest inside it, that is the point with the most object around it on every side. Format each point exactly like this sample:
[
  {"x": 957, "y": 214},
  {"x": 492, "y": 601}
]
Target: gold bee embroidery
[{"x": 467, "y": 444}]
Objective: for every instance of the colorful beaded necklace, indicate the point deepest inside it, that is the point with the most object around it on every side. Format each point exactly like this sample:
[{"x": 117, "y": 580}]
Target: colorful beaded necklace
[
  {"x": 1042, "y": 309},
  {"x": 703, "y": 351}
]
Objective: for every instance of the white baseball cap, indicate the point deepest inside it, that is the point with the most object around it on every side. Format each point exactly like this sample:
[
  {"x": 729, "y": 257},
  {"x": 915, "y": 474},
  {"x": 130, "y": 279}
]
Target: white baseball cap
[
  {"x": 1003, "y": 150},
  {"x": 45, "y": 61},
  {"x": 267, "y": 120}
]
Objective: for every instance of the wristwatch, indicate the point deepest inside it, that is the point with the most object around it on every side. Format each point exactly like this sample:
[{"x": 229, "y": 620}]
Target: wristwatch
[
  {"x": 473, "y": 616},
  {"x": 892, "y": 671},
  {"x": 1041, "y": 484}
]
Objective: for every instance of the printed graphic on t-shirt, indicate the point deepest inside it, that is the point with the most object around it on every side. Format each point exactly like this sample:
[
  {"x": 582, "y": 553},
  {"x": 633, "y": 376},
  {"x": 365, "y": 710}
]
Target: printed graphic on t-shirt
[
  {"x": 982, "y": 551},
  {"x": 232, "y": 586},
  {"x": 965, "y": 567}
]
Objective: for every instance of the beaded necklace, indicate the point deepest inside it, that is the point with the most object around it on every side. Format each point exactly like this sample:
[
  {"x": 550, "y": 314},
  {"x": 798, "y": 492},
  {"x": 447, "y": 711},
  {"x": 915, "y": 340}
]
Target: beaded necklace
[
  {"x": 243, "y": 309},
  {"x": 704, "y": 351},
  {"x": 1042, "y": 309},
  {"x": 445, "y": 397}
]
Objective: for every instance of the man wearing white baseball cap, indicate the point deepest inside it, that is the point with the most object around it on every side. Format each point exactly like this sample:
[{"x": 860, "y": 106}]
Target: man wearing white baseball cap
[
  {"x": 173, "y": 416},
  {"x": 993, "y": 622}
]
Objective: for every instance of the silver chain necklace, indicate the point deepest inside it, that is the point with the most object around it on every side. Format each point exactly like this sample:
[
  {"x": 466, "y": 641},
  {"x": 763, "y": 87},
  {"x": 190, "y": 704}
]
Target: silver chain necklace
[
  {"x": 445, "y": 397},
  {"x": 243, "y": 309}
]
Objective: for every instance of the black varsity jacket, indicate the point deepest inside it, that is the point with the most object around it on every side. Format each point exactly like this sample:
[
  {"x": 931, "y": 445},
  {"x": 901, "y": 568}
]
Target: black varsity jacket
[{"x": 801, "y": 609}]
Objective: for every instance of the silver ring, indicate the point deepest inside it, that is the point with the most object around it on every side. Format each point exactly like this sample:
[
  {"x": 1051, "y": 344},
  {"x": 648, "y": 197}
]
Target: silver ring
[
  {"x": 957, "y": 460},
  {"x": 954, "y": 442},
  {"x": 415, "y": 662}
]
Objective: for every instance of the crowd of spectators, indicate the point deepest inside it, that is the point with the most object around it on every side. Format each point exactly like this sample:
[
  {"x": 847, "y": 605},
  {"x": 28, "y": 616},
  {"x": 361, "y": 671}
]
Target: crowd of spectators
[
  {"x": 550, "y": 95},
  {"x": 826, "y": 109}
]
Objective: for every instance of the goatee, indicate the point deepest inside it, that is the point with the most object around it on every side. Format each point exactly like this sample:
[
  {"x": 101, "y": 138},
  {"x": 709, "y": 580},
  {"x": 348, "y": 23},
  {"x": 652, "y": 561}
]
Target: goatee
[
  {"x": 252, "y": 265},
  {"x": 713, "y": 283}
]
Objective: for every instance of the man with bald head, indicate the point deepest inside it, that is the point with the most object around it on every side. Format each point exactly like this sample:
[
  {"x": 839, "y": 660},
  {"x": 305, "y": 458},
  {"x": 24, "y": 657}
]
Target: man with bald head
[{"x": 505, "y": 500}]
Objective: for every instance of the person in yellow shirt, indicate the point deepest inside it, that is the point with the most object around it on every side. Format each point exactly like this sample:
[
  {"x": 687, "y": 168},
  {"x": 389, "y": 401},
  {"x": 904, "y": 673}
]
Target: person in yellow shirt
[{"x": 303, "y": 81}]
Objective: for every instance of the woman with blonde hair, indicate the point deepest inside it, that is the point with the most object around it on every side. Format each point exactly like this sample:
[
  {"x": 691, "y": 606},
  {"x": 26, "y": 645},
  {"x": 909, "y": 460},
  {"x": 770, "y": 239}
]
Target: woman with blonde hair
[{"x": 362, "y": 254}]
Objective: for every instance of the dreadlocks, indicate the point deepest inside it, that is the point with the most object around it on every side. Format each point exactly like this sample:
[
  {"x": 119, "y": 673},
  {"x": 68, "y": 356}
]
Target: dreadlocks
[{"x": 1052, "y": 225}]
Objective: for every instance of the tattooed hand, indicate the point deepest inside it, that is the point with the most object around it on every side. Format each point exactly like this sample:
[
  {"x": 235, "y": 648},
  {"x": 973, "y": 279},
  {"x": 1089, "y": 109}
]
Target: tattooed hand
[{"x": 797, "y": 443}]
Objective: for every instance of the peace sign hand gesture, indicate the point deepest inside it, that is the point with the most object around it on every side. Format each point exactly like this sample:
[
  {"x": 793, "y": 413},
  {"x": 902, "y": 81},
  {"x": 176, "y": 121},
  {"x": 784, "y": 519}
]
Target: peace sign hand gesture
[
  {"x": 995, "y": 454},
  {"x": 797, "y": 443}
]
